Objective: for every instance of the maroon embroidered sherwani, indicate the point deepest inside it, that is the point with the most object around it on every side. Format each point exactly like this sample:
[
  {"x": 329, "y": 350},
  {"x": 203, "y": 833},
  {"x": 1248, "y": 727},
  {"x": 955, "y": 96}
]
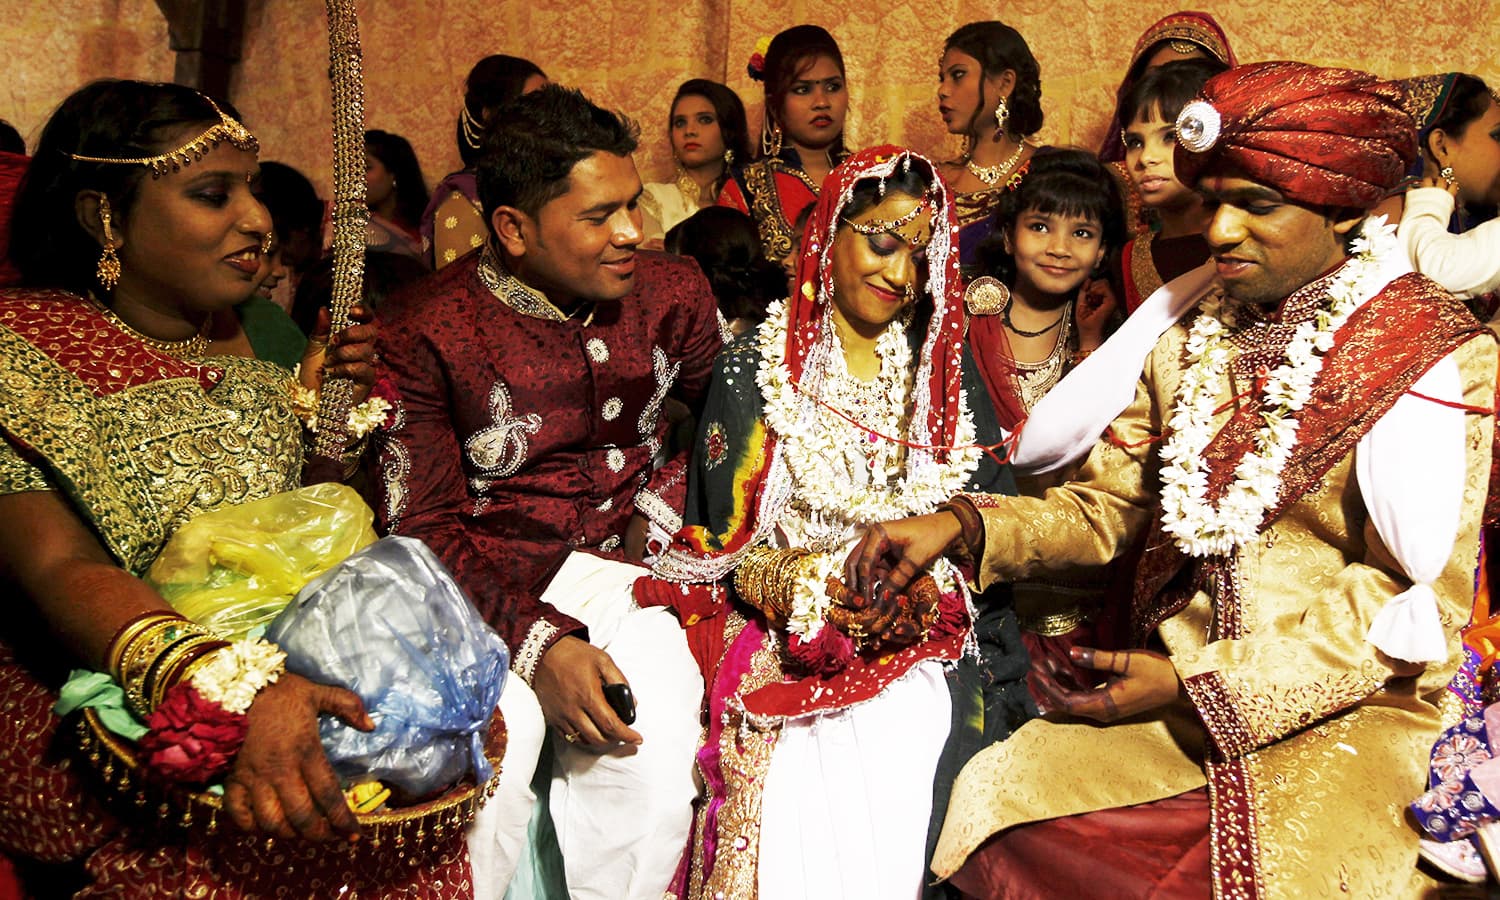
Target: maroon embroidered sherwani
[{"x": 521, "y": 435}]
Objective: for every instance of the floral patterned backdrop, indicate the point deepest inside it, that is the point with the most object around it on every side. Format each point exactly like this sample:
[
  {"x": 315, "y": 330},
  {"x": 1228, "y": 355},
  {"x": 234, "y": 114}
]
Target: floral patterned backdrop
[{"x": 632, "y": 55}]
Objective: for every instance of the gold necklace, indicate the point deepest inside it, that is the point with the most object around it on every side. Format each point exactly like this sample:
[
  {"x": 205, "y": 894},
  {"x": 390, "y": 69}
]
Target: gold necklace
[
  {"x": 991, "y": 175},
  {"x": 195, "y": 347}
]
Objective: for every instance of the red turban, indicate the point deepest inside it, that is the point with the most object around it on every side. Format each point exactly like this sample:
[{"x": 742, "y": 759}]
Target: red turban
[{"x": 1320, "y": 137}]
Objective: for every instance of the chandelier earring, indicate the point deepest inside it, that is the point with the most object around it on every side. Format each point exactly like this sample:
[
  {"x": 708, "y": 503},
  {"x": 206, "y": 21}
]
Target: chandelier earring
[
  {"x": 267, "y": 240},
  {"x": 108, "y": 271},
  {"x": 1002, "y": 116},
  {"x": 1446, "y": 173},
  {"x": 770, "y": 137},
  {"x": 728, "y": 158}
]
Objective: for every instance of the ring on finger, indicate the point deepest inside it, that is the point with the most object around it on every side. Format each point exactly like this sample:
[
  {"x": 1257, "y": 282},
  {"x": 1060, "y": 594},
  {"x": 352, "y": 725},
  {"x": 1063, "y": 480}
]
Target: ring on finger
[{"x": 572, "y": 737}]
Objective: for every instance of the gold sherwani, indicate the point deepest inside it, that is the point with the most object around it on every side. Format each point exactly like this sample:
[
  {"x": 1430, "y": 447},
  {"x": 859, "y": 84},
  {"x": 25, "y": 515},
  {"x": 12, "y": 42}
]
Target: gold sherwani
[{"x": 1310, "y": 744}]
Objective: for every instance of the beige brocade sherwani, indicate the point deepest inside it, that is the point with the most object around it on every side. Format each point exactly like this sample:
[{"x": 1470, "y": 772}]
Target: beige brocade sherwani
[{"x": 1310, "y": 746}]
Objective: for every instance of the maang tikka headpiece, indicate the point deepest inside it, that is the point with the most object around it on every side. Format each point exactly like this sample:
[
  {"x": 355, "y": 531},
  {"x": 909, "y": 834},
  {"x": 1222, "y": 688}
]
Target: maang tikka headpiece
[
  {"x": 227, "y": 129},
  {"x": 882, "y": 226}
]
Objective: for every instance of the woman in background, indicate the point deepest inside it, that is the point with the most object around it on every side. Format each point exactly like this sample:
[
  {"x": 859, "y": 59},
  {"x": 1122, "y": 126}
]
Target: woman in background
[
  {"x": 725, "y": 244},
  {"x": 802, "y": 135},
  {"x": 708, "y": 134},
  {"x": 453, "y": 224},
  {"x": 395, "y": 192},
  {"x": 990, "y": 92},
  {"x": 1459, "y": 131},
  {"x": 1179, "y": 36}
]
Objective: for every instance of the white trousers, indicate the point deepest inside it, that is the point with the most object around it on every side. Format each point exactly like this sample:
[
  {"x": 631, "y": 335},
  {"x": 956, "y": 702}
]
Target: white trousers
[
  {"x": 622, "y": 818},
  {"x": 848, "y": 795},
  {"x": 497, "y": 837}
]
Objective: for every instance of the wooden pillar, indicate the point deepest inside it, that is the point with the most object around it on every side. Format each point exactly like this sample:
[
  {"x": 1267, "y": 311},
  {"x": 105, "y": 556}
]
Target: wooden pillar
[{"x": 207, "y": 36}]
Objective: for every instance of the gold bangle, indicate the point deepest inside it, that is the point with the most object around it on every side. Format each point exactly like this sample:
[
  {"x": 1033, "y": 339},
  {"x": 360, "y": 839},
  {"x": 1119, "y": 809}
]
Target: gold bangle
[
  {"x": 140, "y": 654},
  {"x": 172, "y": 665},
  {"x": 127, "y": 634}
]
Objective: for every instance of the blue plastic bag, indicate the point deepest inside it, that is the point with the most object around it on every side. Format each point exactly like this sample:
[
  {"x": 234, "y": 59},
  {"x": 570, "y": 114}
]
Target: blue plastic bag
[{"x": 391, "y": 625}]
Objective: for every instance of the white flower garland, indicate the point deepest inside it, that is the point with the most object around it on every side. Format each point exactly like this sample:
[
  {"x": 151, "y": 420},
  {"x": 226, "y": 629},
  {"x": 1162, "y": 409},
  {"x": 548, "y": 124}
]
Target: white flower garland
[
  {"x": 363, "y": 419},
  {"x": 815, "y": 444},
  {"x": 233, "y": 675},
  {"x": 823, "y": 452},
  {"x": 1198, "y": 528}
]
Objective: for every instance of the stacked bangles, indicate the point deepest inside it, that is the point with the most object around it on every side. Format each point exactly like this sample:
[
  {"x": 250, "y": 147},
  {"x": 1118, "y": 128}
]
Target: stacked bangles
[
  {"x": 192, "y": 688},
  {"x": 767, "y": 579}
]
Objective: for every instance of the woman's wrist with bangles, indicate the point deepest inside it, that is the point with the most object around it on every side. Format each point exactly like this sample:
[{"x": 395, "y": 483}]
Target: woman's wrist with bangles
[
  {"x": 156, "y": 651},
  {"x": 767, "y": 579}
]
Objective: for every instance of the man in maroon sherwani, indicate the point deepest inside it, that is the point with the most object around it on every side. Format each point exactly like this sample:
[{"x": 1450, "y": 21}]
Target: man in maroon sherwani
[{"x": 531, "y": 377}]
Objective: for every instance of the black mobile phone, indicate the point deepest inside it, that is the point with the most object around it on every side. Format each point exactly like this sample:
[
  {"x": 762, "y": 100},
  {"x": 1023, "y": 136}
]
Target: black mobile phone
[{"x": 622, "y": 701}]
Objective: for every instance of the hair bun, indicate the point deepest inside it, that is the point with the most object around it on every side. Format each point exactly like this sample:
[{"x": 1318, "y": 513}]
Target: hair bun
[{"x": 756, "y": 68}]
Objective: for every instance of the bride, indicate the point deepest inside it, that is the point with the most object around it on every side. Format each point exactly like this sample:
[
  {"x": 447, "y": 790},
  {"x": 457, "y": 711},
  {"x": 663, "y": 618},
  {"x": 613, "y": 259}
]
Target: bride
[{"x": 826, "y": 714}]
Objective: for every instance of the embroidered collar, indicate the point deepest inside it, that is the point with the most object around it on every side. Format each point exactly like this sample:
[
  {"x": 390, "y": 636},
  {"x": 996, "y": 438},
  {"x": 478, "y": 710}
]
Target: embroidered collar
[{"x": 520, "y": 296}]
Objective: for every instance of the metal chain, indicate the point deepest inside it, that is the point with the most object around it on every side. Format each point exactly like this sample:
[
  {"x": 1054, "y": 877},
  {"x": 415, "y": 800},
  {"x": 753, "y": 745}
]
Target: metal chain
[{"x": 350, "y": 215}]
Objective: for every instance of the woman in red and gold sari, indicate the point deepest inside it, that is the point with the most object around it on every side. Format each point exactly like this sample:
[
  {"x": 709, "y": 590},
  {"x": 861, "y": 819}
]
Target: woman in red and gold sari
[
  {"x": 848, "y": 400},
  {"x": 121, "y": 421},
  {"x": 802, "y": 136}
]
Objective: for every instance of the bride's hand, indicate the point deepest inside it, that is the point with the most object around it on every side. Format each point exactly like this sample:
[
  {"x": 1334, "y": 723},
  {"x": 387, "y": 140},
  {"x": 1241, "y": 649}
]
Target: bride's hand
[{"x": 862, "y": 619}]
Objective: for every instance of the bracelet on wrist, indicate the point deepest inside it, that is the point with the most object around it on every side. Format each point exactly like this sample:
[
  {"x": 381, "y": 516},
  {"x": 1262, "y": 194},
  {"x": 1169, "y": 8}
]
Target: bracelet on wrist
[
  {"x": 970, "y": 523},
  {"x": 198, "y": 728},
  {"x": 363, "y": 419}
]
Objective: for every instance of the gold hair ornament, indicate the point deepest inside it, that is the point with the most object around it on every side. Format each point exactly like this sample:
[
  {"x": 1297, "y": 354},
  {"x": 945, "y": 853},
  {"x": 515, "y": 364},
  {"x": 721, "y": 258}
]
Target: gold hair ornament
[
  {"x": 473, "y": 130},
  {"x": 228, "y": 129},
  {"x": 881, "y": 226},
  {"x": 1186, "y": 48}
]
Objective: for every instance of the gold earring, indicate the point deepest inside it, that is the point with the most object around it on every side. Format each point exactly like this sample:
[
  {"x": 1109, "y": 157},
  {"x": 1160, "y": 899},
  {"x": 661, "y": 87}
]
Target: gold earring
[
  {"x": 108, "y": 271},
  {"x": 265, "y": 243},
  {"x": 728, "y": 157},
  {"x": 1002, "y": 115},
  {"x": 1446, "y": 173}
]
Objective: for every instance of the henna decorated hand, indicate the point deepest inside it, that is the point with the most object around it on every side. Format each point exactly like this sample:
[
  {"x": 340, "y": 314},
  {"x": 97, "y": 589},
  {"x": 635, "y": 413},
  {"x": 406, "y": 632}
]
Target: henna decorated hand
[
  {"x": 1142, "y": 680},
  {"x": 281, "y": 783},
  {"x": 890, "y": 620},
  {"x": 865, "y": 620},
  {"x": 349, "y": 354}
]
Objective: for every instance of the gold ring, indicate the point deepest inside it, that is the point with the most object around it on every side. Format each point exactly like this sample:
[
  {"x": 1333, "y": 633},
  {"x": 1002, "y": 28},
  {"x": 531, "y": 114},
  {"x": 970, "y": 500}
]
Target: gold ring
[{"x": 572, "y": 737}]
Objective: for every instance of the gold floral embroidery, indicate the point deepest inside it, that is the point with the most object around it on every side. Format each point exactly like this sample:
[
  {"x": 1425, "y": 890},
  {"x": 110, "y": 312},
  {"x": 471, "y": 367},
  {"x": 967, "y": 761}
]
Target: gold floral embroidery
[
  {"x": 146, "y": 459},
  {"x": 745, "y": 748},
  {"x": 1272, "y": 713},
  {"x": 765, "y": 207}
]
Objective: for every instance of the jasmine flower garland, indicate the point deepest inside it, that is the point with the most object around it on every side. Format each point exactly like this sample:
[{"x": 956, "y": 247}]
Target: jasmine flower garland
[
  {"x": 847, "y": 475},
  {"x": 1198, "y": 527}
]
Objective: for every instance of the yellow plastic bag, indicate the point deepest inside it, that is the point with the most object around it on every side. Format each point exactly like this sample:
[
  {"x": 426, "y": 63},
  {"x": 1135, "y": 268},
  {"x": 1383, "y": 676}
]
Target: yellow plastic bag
[{"x": 238, "y": 567}]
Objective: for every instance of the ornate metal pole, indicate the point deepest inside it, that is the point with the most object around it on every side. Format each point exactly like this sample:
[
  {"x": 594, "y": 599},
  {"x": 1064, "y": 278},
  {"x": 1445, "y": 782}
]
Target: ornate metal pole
[{"x": 350, "y": 215}]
